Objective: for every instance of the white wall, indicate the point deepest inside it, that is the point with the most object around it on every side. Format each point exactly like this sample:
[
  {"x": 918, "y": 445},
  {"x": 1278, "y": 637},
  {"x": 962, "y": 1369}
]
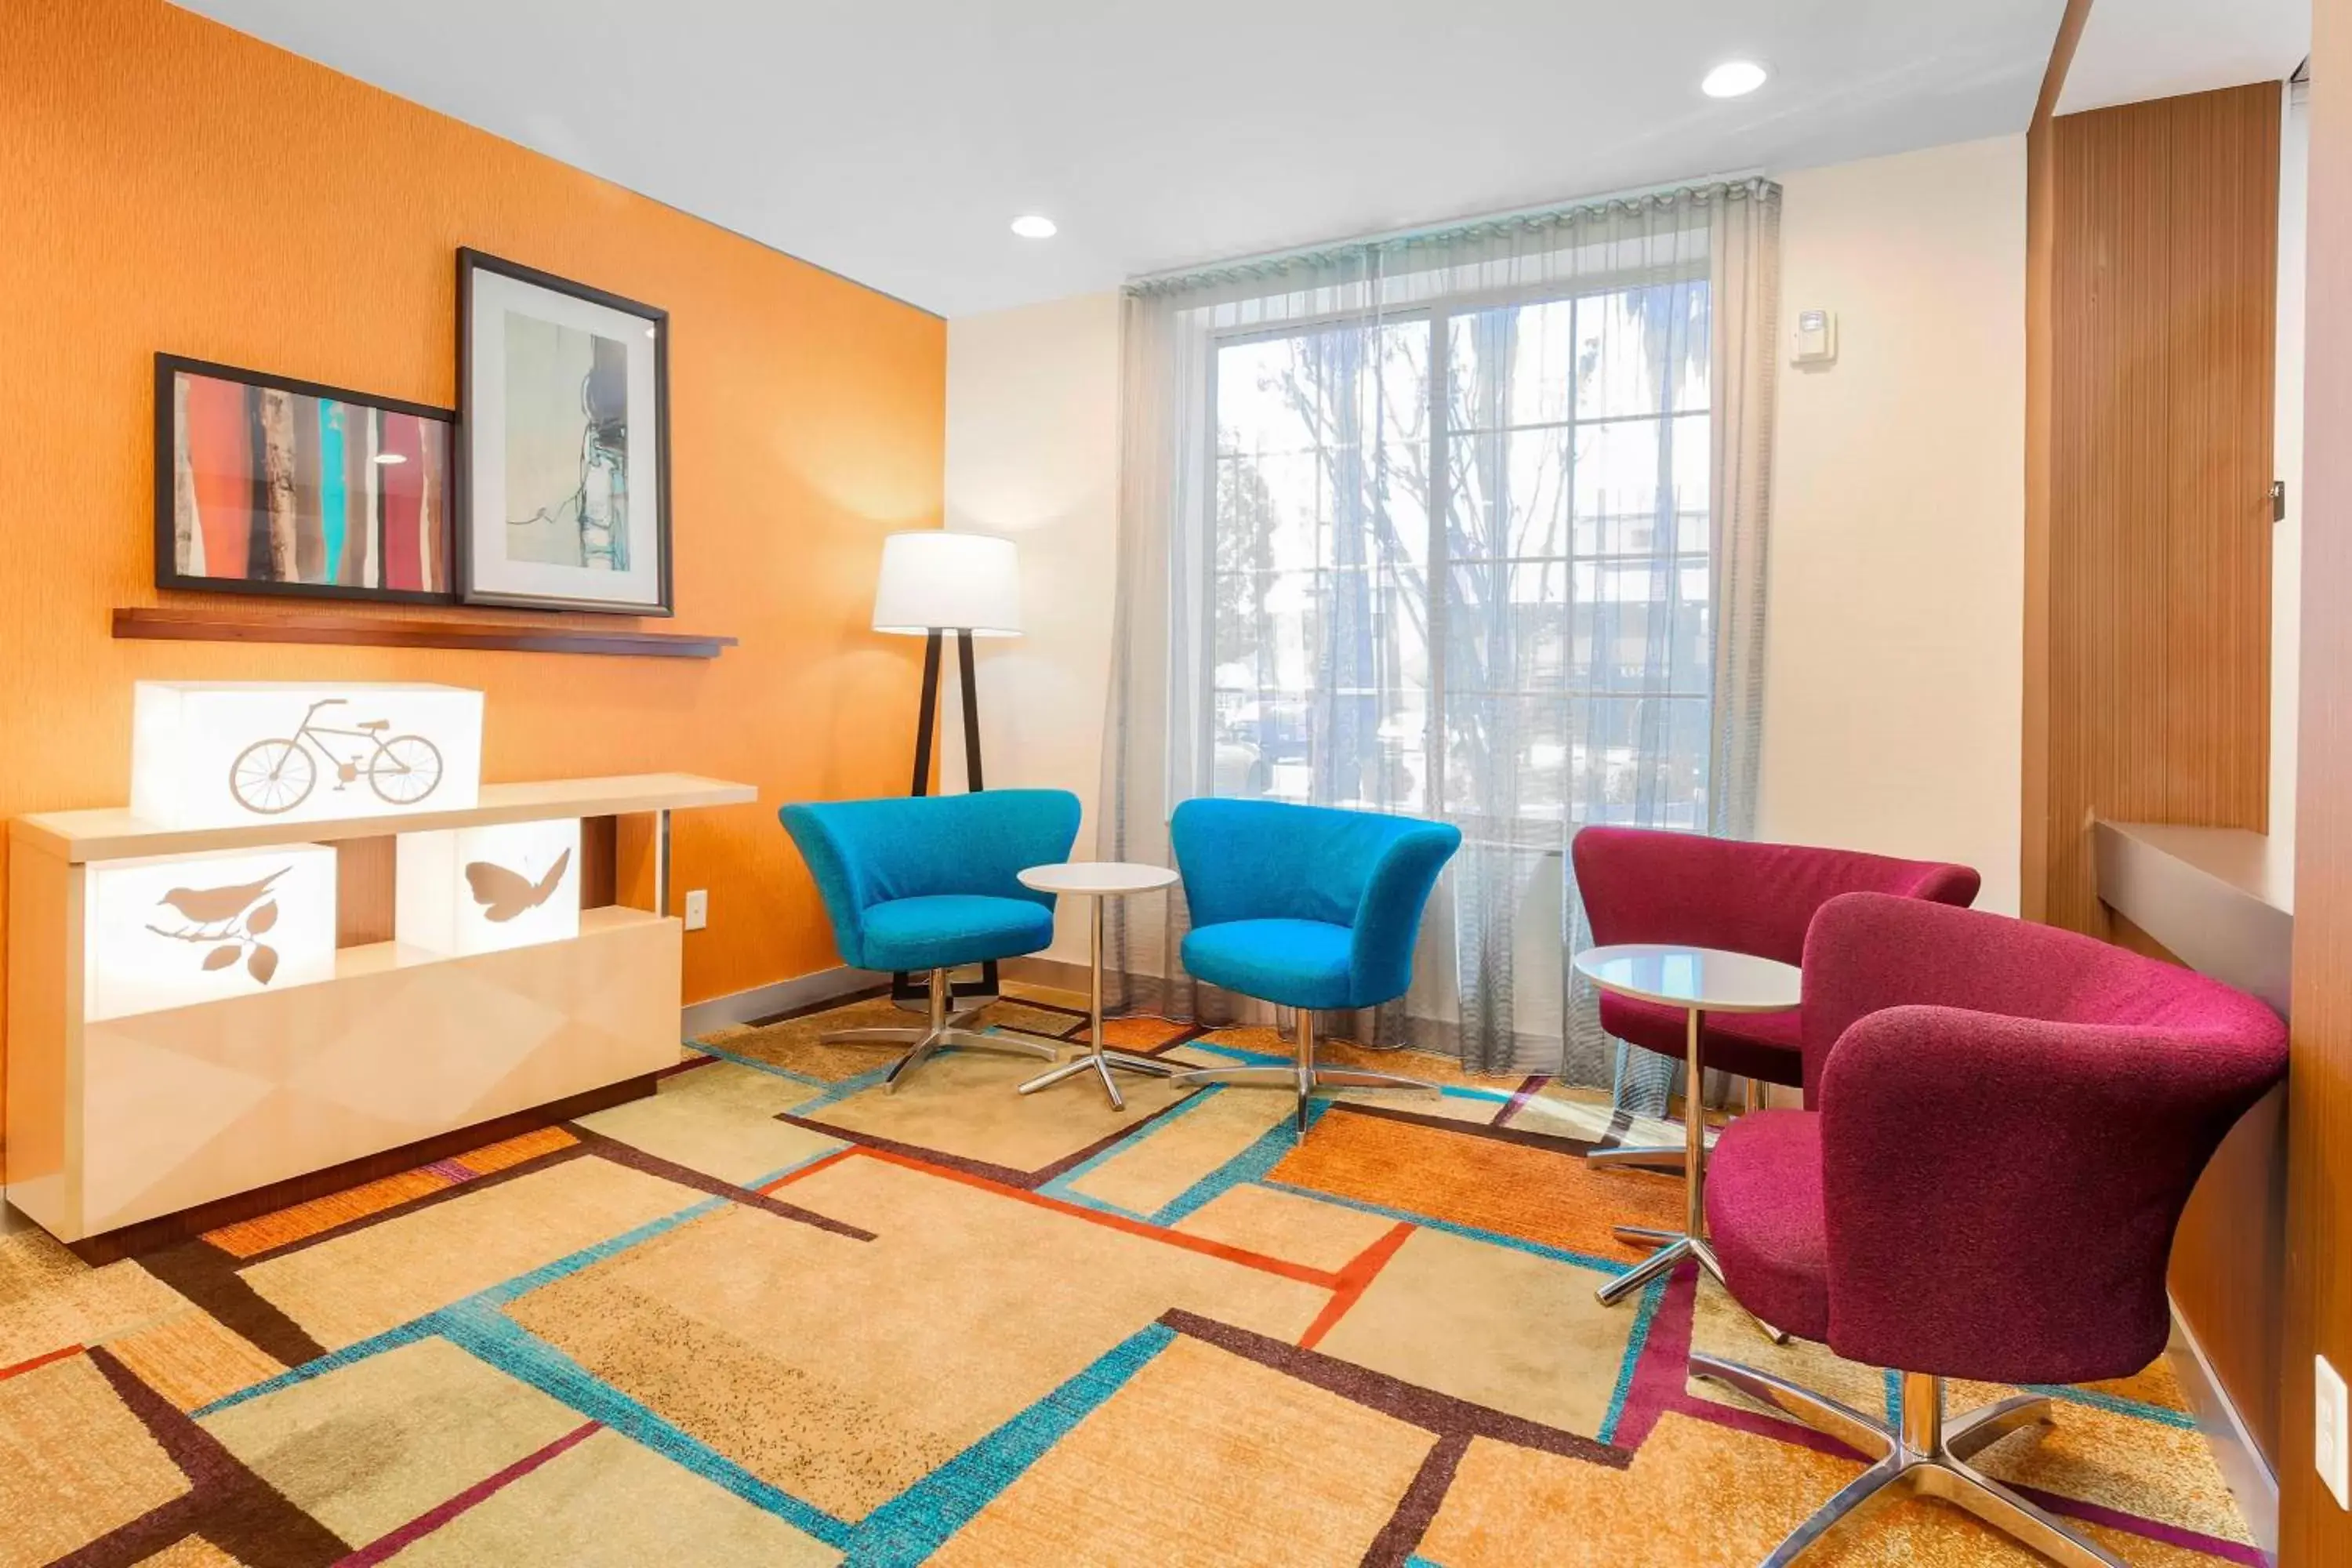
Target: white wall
[
  {"x": 1894, "y": 664},
  {"x": 1893, "y": 674},
  {"x": 2286, "y": 538},
  {"x": 1033, "y": 454}
]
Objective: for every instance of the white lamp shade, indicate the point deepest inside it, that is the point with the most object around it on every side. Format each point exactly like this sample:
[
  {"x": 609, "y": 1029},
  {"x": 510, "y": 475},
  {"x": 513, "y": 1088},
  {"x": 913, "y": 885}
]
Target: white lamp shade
[{"x": 940, "y": 581}]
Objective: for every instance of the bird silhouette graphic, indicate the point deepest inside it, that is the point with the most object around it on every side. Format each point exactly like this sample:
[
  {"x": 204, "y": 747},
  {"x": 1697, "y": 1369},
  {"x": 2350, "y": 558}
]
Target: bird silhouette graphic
[
  {"x": 230, "y": 922},
  {"x": 506, "y": 894},
  {"x": 210, "y": 906}
]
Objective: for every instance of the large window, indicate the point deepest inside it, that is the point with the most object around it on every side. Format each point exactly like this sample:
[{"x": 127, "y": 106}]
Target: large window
[{"x": 1461, "y": 561}]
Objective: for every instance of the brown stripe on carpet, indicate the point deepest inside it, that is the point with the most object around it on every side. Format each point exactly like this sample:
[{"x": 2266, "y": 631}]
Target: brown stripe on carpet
[
  {"x": 454, "y": 1191},
  {"x": 1003, "y": 1176},
  {"x": 605, "y": 1147},
  {"x": 225, "y": 1503},
  {"x": 208, "y": 1276},
  {"x": 1426, "y": 1409},
  {"x": 1555, "y": 1143},
  {"x": 1394, "y": 1546}
]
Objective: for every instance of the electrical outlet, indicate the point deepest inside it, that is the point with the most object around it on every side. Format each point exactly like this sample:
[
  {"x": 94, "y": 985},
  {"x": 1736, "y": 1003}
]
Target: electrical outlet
[
  {"x": 2331, "y": 1444},
  {"x": 698, "y": 909}
]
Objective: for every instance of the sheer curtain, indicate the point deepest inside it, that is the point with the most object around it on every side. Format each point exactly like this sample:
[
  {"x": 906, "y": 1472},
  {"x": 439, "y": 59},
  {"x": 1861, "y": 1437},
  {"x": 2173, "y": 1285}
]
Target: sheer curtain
[{"x": 1467, "y": 525}]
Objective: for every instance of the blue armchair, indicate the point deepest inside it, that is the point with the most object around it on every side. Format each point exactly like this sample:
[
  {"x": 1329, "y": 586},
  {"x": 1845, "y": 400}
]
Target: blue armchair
[
  {"x": 929, "y": 883},
  {"x": 1305, "y": 907}
]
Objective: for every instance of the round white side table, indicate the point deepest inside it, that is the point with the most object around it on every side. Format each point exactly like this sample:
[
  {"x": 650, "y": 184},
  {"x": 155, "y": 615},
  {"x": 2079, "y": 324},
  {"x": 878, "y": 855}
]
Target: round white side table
[
  {"x": 1098, "y": 880},
  {"x": 1699, "y": 981}
]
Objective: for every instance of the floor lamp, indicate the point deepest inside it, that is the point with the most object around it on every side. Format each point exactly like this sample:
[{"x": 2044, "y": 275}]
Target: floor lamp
[{"x": 936, "y": 581}]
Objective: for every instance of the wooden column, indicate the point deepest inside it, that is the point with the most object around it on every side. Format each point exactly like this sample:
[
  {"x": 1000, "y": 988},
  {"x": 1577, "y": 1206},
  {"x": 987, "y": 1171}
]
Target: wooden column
[{"x": 2312, "y": 1529}]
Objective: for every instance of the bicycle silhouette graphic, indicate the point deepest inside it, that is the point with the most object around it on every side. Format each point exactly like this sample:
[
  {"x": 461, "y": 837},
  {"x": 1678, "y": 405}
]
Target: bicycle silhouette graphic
[{"x": 276, "y": 776}]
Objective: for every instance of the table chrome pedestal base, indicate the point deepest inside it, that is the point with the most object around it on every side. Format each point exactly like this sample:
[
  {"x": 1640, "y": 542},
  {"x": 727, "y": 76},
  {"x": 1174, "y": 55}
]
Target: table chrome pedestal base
[
  {"x": 1101, "y": 1062},
  {"x": 1304, "y": 1076},
  {"x": 1920, "y": 1455},
  {"x": 944, "y": 1029}
]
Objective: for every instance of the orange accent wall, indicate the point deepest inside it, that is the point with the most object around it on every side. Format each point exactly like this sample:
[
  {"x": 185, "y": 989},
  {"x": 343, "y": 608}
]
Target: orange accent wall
[{"x": 166, "y": 183}]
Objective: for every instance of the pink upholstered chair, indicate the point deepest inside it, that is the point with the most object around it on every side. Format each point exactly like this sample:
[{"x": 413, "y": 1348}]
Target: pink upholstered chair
[
  {"x": 1643, "y": 884},
  {"x": 2002, "y": 1124}
]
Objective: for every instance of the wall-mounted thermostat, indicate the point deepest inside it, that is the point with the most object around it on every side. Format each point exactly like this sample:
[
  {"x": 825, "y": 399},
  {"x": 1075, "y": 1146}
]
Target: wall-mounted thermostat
[{"x": 1816, "y": 340}]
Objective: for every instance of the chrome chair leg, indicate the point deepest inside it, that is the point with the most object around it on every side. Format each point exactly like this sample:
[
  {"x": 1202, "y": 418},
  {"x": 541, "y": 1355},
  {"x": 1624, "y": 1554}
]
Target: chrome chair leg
[
  {"x": 1303, "y": 1077},
  {"x": 873, "y": 1037},
  {"x": 1003, "y": 1042},
  {"x": 1642, "y": 1157},
  {"x": 1987, "y": 1424},
  {"x": 1883, "y": 1482},
  {"x": 943, "y": 1030},
  {"x": 1955, "y": 1482},
  {"x": 1921, "y": 1455},
  {"x": 1830, "y": 1417}
]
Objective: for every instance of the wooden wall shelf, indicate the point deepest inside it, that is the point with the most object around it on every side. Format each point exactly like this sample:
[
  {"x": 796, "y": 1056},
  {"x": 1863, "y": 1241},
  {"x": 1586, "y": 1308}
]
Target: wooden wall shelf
[{"x": 212, "y": 626}]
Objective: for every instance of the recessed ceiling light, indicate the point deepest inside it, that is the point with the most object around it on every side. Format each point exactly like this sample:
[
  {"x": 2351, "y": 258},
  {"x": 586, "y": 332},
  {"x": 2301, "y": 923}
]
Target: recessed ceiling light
[
  {"x": 1733, "y": 78},
  {"x": 1029, "y": 225},
  {"x": 390, "y": 457}
]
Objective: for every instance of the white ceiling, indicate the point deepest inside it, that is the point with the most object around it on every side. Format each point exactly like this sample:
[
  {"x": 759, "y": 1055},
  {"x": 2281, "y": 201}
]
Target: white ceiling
[
  {"x": 2133, "y": 50},
  {"x": 893, "y": 141}
]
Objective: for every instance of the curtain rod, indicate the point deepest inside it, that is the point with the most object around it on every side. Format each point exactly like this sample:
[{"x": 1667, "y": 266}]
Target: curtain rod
[{"x": 1451, "y": 225}]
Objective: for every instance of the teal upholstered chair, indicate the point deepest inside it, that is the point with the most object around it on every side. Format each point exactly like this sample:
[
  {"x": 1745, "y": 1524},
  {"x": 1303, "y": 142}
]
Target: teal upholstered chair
[
  {"x": 1309, "y": 908},
  {"x": 931, "y": 883}
]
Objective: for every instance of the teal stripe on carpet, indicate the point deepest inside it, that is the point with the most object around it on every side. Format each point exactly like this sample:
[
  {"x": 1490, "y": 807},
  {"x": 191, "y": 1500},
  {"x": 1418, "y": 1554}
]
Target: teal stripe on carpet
[{"x": 905, "y": 1531}]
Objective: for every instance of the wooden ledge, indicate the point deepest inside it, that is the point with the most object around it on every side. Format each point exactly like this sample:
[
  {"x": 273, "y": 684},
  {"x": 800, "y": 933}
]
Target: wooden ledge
[{"x": 214, "y": 626}]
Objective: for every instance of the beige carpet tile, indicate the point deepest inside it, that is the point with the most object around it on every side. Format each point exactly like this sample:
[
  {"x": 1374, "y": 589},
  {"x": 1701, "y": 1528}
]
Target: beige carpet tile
[
  {"x": 1203, "y": 1460},
  {"x": 193, "y": 1359},
  {"x": 381, "y": 1275},
  {"x": 719, "y": 1119},
  {"x": 50, "y": 1299},
  {"x": 371, "y": 1446},
  {"x": 1283, "y": 1224},
  {"x": 1493, "y": 1325},
  {"x": 608, "y": 1503},
  {"x": 75, "y": 1463}
]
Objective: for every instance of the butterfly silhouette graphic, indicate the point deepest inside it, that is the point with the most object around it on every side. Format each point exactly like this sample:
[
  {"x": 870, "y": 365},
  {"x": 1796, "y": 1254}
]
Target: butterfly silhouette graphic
[{"x": 506, "y": 894}]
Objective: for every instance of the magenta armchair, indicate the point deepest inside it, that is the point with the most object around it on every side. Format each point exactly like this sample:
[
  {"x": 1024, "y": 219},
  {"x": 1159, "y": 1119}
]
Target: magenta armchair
[
  {"x": 1643, "y": 884},
  {"x": 2003, "y": 1123}
]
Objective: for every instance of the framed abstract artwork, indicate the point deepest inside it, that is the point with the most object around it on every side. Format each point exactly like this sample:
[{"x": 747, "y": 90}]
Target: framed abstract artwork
[
  {"x": 563, "y": 449},
  {"x": 265, "y": 485}
]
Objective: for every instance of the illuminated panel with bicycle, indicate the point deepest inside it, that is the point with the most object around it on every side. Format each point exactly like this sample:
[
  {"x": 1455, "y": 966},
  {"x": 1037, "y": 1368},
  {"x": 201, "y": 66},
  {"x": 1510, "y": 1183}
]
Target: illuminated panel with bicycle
[{"x": 229, "y": 754}]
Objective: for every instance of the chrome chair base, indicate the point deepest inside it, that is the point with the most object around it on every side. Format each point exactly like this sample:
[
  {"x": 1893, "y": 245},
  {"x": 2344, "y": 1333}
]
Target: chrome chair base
[
  {"x": 1672, "y": 1247},
  {"x": 944, "y": 1029},
  {"x": 1304, "y": 1076},
  {"x": 1921, "y": 1456},
  {"x": 1100, "y": 1063}
]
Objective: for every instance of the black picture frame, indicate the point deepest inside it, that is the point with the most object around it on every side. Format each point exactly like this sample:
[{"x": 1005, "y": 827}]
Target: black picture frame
[
  {"x": 168, "y": 368},
  {"x": 471, "y": 262}
]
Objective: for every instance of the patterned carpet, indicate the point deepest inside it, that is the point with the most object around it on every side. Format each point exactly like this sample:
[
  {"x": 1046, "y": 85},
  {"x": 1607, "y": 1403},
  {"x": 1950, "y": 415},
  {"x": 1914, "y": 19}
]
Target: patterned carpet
[{"x": 773, "y": 1316}]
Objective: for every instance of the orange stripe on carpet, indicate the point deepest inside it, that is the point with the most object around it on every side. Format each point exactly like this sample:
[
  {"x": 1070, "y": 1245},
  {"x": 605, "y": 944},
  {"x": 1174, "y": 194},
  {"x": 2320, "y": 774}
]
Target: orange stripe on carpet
[
  {"x": 515, "y": 1151},
  {"x": 1189, "y": 1243},
  {"x": 248, "y": 1238},
  {"x": 60, "y": 1353},
  {"x": 1486, "y": 1184},
  {"x": 810, "y": 1169},
  {"x": 1354, "y": 1281}
]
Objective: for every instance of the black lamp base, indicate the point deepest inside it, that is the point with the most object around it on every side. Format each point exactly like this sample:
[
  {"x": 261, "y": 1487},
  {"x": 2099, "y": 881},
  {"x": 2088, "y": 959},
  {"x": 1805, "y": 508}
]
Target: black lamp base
[{"x": 908, "y": 991}]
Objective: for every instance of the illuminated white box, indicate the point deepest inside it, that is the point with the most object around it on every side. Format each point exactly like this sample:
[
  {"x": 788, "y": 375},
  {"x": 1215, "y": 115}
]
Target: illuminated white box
[
  {"x": 479, "y": 889},
  {"x": 225, "y": 754},
  {"x": 171, "y": 929}
]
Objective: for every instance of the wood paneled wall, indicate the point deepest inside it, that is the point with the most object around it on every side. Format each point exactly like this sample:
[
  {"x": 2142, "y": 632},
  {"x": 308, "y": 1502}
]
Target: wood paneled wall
[
  {"x": 2152, "y": 607},
  {"x": 2312, "y": 1529},
  {"x": 2152, "y": 275}
]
